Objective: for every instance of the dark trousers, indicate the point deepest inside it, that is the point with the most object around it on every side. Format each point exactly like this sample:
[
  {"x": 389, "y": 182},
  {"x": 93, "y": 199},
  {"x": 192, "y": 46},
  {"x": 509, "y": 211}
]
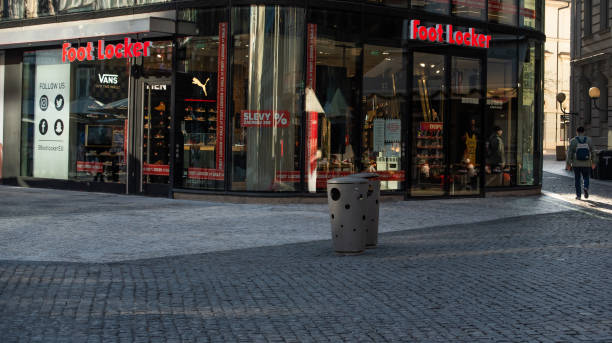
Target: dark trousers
[{"x": 585, "y": 172}]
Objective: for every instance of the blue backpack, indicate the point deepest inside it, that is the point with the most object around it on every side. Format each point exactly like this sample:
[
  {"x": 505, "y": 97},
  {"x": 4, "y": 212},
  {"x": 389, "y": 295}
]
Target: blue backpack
[{"x": 582, "y": 150}]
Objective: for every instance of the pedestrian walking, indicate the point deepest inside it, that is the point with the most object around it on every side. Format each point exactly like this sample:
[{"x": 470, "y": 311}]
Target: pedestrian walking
[{"x": 580, "y": 160}]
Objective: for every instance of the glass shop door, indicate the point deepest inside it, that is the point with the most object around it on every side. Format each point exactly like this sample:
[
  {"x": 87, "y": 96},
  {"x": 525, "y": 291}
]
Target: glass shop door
[
  {"x": 152, "y": 137},
  {"x": 446, "y": 120}
]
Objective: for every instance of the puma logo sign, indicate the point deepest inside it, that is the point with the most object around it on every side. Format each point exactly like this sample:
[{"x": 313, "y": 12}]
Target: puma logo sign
[{"x": 199, "y": 83}]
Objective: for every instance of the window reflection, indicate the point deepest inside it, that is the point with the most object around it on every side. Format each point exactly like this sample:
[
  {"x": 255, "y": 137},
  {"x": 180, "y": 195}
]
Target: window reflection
[
  {"x": 337, "y": 88},
  {"x": 526, "y": 113},
  {"x": 267, "y": 102},
  {"x": 13, "y": 9},
  {"x": 502, "y": 11},
  {"x": 391, "y": 3},
  {"x": 501, "y": 111},
  {"x": 528, "y": 13},
  {"x": 435, "y": 6},
  {"x": 469, "y": 8},
  {"x": 20, "y": 9}
]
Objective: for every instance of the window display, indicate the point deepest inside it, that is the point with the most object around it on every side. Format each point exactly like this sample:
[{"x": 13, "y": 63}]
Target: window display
[
  {"x": 501, "y": 112},
  {"x": 86, "y": 138},
  {"x": 428, "y": 111},
  {"x": 465, "y": 125},
  {"x": 337, "y": 84},
  {"x": 200, "y": 99},
  {"x": 384, "y": 89}
]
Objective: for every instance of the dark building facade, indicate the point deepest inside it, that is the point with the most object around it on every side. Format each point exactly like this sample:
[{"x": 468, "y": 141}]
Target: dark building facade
[
  {"x": 439, "y": 97},
  {"x": 591, "y": 55}
]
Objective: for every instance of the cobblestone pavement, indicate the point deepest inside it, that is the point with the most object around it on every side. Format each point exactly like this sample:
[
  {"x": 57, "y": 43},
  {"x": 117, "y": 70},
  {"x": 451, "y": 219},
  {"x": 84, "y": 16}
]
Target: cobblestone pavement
[
  {"x": 540, "y": 277},
  {"x": 63, "y": 226},
  {"x": 560, "y": 183}
]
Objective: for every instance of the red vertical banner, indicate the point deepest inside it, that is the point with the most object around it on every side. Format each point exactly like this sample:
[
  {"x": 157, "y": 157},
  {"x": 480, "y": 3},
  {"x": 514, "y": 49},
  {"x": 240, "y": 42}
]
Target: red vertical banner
[
  {"x": 221, "y": 86},
  {"x": 313, "y": 117},
  {"x": 125, "y": 142},
  {"x": 311, "y": 150},
  {"x": 311, "y": 62}
]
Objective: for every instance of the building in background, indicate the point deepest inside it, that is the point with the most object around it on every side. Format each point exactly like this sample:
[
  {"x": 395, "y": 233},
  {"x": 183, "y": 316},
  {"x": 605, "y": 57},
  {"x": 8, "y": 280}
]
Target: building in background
[
  {"x": 591, "y": 56},
  {"x": 440, "y": 97},
  {"x": 556, "y": 71}
]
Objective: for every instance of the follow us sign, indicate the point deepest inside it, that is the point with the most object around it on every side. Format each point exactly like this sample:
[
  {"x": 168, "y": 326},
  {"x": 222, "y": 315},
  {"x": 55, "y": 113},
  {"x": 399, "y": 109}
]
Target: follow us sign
[{"x": 51, "y": 117}]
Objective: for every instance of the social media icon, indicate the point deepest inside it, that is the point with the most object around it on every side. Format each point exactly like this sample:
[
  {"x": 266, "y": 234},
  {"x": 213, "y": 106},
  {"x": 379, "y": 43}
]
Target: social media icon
[
  {"x": 43, "y": 102},
  {"x": 59, "y": 102},
  {"x": 58, "y": 127},
  {"x": 43, "y": 126}
]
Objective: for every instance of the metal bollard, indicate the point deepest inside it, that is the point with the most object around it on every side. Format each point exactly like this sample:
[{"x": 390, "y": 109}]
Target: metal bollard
[
  {"x": 372, "y": 208},
  {"x": 346, "y": 198}
]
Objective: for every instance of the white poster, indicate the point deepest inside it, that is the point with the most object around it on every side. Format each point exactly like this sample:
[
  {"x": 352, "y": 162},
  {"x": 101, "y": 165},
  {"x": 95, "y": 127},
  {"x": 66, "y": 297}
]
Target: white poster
[
  {"x": 379, "y": 134},
  {"x": 51, "y": 117},
  {"x": 1, "y": 107},
  {"x": 393, "y": 130}
]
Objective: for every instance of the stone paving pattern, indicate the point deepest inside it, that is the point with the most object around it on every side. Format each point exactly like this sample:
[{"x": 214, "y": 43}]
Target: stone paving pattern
[
  {"x": 539, "y": 276},
  {"x": 536, "y": 279}
]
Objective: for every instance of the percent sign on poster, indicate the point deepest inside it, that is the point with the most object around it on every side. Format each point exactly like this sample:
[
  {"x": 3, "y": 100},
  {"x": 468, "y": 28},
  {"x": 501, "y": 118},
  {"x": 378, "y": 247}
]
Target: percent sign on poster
[{"x": 264, "y": 118}]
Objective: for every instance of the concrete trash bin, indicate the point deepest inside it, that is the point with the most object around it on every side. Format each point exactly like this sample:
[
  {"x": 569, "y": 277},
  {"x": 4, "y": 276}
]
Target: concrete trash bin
[
  {"x": 372, "y": 207},
  {"x": 346, "y": 197}
]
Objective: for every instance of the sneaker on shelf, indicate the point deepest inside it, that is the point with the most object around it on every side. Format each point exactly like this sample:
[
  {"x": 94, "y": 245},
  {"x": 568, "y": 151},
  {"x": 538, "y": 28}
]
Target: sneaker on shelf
[{"x": 160, "y": 107}]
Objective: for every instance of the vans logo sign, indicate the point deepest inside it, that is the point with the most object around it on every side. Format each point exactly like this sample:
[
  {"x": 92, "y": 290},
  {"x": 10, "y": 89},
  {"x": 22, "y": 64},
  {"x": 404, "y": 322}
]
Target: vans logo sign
[{"x": 108, "y": 79}]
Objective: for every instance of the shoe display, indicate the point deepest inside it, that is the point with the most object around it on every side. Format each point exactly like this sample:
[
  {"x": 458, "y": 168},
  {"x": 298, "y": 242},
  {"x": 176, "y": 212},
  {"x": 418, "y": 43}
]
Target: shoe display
[{"x": 160, "y": 107}]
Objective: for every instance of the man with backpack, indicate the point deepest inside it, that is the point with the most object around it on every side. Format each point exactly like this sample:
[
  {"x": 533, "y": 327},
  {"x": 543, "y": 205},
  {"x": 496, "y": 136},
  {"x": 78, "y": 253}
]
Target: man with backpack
[{"x": 580, "y": 159}]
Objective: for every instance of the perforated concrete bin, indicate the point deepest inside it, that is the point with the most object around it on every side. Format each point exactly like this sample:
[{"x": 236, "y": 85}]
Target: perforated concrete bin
[
  {"x": 346, "y": 197},
  {"x": 372, "y": 208}
]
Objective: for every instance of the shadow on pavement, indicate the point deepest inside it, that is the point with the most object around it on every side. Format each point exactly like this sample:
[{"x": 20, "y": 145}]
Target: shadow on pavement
[{"x": 599, "y": 204}]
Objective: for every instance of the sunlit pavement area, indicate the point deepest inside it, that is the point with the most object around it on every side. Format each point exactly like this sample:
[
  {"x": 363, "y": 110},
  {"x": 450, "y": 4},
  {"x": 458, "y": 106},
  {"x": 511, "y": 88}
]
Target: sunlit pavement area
[
  {"x": 559, "y": 183},
  {"x": 88, "y": 267}
]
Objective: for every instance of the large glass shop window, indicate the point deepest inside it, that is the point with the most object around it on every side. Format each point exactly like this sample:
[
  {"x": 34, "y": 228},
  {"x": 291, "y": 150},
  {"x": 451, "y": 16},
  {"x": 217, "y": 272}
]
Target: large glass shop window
[
  {"x": 501, "y": 110},
  {"x": 528, "y": 13},
  {"x": 435, "y": 6},
  {"x": 12, "y": 9},
  {"x": 502, "y": 11},
  {"x": 428, "y": 111},
  {"x": 392, "y": 3},
  {"x": 200, "y": 98},
  {"x": 464, "y": 129},
  {"x": 268, "y": 81},
  {"x": 469, "y": 8},
  {"x": 74, "y": 122},
  {"x": 384, "y": 91},
  {"x": 526, "y": 113},
  {"x": 335, "y": 56},
  {"x": 19, "y": 9}
]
